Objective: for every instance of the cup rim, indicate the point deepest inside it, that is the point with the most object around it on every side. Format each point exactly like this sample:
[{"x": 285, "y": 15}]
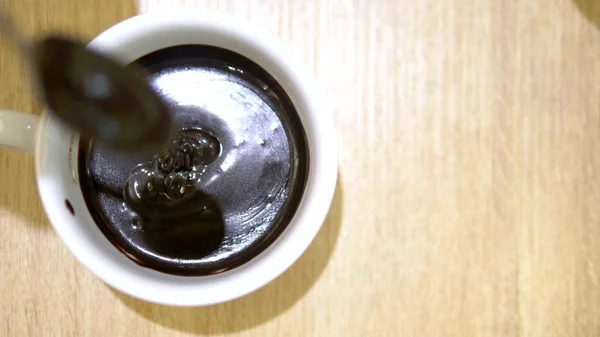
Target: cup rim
[{"x": 132, "y": 37}]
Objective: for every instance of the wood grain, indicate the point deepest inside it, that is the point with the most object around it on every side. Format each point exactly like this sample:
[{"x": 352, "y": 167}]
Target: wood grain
[{"x": 469, "y": 194}]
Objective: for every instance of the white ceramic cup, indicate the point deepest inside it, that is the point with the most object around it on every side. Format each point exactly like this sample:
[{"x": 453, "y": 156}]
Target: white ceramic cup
[{"x": 55, "y": 149}]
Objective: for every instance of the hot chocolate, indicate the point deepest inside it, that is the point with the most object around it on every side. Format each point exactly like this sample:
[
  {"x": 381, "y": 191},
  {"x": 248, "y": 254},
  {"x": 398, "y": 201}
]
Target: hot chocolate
[{"x": 228, "y": 184}]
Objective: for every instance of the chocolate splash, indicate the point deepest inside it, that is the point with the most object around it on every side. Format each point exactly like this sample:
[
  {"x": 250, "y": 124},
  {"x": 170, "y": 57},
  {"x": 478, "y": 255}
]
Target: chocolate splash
[{"x": 165, "y": 187}]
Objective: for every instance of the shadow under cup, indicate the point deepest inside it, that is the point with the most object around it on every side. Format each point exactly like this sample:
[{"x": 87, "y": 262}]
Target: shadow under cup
[{"x": 234, "y": 206}]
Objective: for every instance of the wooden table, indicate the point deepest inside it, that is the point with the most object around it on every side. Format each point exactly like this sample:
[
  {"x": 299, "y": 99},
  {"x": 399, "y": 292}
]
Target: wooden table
[{"x": 469, "y": 195}]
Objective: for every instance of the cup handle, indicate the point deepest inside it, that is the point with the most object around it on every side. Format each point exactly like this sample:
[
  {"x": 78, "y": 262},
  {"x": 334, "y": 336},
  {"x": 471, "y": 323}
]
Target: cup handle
[{"x": 17, "y": 130}]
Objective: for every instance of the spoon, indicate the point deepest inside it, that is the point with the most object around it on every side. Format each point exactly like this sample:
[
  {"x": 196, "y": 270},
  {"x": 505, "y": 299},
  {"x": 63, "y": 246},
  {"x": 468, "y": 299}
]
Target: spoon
[{"x": 94, "y": 94}]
